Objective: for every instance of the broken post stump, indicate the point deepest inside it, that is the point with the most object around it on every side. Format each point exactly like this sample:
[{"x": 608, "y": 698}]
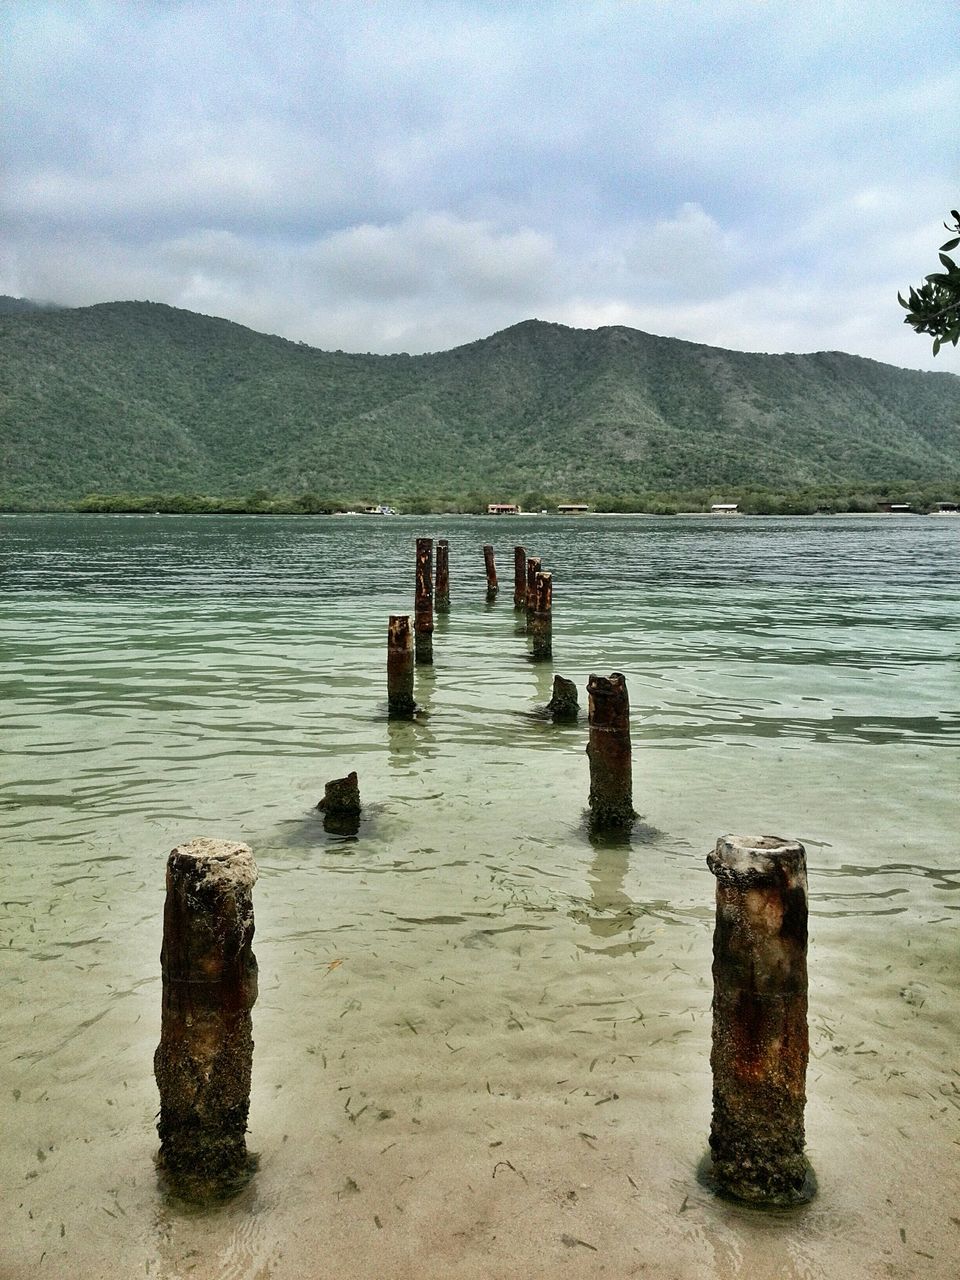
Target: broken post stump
[
  {"x": 519, "y": 578},
  {"x": 493, "y": 585},
  {"x": 760, "y": 1038},
  {"x": 400, "y": 703},
  {"x": 530, "y": 592},
  {"x": 341, "y": 796},
  {"x": 541, "y": 619},
  {"x": 423, "y": 605},
  {"x": 609, "y": 752},
  {"x": 204, "y": 1059},
  {"x": 563, "y": 705},
  {"x": 441, "y": 598}
]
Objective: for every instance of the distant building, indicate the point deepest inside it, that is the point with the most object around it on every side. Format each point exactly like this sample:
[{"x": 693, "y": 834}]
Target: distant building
[
  {"x": 946, "y": 509},
  {"x": 572, "y": 508},
  {"x": 502, "y": 509},
  {"x": 894, "y": 508},
  {"x": 725, "y": 509}
]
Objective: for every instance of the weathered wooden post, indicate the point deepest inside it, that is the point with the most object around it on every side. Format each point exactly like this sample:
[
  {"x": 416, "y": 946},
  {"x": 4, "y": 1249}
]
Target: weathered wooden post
[
  {"x": 400, "y": 703},
  {"x": 204, "y": 1060},
  {"x": 541, "y": 619},
  {"x": 563, "y": 705},
  {"x": 530, "y": 596},
  {"x": 423, "y": 607},
  {"x": 609, "y": 753},
  {"x": 493, "y": 586},
  {"x": 442, "y": 593},
  {"x": 519, "y": 578},
  {"x": 760, "y": 1038}
]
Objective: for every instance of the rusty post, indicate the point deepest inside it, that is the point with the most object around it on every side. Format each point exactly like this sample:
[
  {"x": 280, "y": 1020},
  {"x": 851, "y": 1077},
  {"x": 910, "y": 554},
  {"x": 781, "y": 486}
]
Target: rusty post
[
  {"x": 760, "y": 1038},
  {"x": 608, "y": 750},
  {"x": 400, "y": 703},
  {"x": 530, "y": 595},
  {"x": 423, "y": 608},
  {"x": 493, "y": 585},
  {"x": 519, "y": 578},
  {"x": 541, "y": 619},
  {"x": 563, "y": 705},
  {"x": 204, "y": 1059},
  {"x": 441, "y": 597}
]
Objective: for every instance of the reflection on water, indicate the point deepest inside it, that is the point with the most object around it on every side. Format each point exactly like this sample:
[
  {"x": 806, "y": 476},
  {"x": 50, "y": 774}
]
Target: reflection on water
[{"x": 483, "y": 1035}]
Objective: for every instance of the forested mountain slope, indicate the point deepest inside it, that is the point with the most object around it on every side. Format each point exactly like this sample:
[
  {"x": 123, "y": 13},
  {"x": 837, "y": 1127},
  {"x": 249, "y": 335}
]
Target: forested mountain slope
[{"x": 143, "y": 398}]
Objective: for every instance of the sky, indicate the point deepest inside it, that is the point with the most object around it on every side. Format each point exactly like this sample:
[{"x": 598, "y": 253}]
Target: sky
[{"x": 404, "y": 176}]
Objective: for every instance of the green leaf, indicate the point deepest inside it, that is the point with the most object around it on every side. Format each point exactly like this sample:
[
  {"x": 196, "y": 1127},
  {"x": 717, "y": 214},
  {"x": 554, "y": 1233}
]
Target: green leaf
[{"x": 951, "y": 244}]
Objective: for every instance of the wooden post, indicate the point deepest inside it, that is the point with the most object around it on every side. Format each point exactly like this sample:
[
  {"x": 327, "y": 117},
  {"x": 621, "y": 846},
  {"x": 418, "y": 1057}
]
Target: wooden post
[
  {"x": 608, "y": 750},
  {"x": 533, "y": 568},
  {"x": 493, "y": 585},
  {"x": 760, "y": 1038},
  {"x": 423, "y": 608},
  {"x": 204, "y": 1060},
  {"x": 519, "y": 578},
  {"x": 442, "y": 593},
  {"x": 400, "y": 703},
  {"x": 541, "y": 619},
  {"x": 563, "y": 706}
]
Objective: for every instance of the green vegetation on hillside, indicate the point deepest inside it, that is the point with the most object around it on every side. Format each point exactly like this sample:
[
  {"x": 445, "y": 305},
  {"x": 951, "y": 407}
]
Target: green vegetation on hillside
[{"x": 142, "y": 399}]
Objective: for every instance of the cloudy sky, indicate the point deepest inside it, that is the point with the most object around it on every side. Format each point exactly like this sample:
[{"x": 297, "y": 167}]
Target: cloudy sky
[{"x": 405, "y": 176}]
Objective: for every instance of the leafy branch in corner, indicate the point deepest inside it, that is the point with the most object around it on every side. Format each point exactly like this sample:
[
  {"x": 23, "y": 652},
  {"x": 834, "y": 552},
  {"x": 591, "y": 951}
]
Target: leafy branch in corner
[{"x": 934, "y": 308}]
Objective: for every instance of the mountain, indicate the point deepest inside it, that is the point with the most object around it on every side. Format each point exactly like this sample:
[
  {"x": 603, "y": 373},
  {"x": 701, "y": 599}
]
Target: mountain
[{"x": 138, "y": 397}]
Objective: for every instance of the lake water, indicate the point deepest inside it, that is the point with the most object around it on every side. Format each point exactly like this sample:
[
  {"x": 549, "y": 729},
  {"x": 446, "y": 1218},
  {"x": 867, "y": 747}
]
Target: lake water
[{"x": 482, "y": 1039}]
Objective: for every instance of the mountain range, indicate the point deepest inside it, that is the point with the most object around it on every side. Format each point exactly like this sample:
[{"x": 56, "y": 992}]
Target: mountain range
[{"x": 143, "y": 398}]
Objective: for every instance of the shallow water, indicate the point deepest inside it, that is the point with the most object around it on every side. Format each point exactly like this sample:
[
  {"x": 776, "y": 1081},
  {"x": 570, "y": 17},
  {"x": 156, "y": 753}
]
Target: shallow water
[{"x": 482, "y": 1039}]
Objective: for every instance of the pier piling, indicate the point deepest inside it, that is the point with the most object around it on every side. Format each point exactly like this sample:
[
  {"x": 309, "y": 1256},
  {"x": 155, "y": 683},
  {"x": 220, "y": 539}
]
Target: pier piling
[
  {"x": 400, "y": 703},
  {"x": 541, "y": 619},
  {"x": 423, "y": 607},
  {"x": 204, "y": 1059},
  {"x": 493, "y": 585},
  {"x": 530, "y": 591},
  {"x": 760, "y": 1036},
  {"x": 519, "y": 578},
  {"x": 609, "y": 752},
  {"x": 441, "y": 598}
]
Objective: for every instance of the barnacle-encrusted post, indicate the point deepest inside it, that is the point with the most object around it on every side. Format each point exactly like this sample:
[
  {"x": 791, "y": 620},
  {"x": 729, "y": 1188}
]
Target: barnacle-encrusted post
[
  {"x": 400, "y": 703},
  {"x": 204, "y": 1060},
  {"x": 493, "y": 585},
  {"x": 541, "y": 619},
  {"x": 441, "y": 597},
  {"x": 423, "y": 607},
  {"x": 760, "y": 1038},
  {"x": 519, "y": 578},
  {"x": 609, "y": 752}
]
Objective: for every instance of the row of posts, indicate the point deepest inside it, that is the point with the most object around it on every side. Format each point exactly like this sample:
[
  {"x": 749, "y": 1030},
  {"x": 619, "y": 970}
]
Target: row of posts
[{"x": 760, "y": 1042}]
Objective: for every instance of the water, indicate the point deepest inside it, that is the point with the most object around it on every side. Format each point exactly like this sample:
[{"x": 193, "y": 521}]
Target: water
[{"x": 482, "y": 1040}]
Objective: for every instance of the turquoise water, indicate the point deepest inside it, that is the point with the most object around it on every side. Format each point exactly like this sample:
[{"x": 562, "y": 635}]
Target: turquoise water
[{"x": 482, "y": 1038}]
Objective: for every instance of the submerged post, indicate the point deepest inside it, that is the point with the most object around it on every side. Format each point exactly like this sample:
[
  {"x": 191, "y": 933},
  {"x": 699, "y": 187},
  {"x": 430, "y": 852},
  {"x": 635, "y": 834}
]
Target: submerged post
[
  {"x": 490, "y": 564},
  {"x": 442, "y": 593},
  {"x": 541, "y": 619},
  {"x": 204, "y": 1060},
  {"x": 530, "y": 592},
  {"x": 563, "y": 705},
  {"x": 400, "y": 703},
  {"x": 760, "y": 1038},
  {"x": 423, "y": 607},
  {"x": 341, "y": 806},
  {"x": 609, "y": 752},
  {"x": 519, "y": 578}
]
